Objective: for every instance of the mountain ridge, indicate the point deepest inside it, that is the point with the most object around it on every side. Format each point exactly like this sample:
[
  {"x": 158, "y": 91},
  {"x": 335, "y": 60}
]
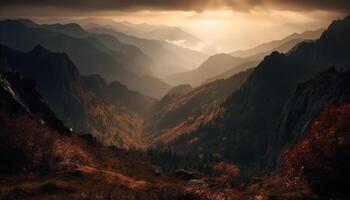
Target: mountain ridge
[
  {"x": 79, "y": 49},
  {"x": 75, "y": 102}
]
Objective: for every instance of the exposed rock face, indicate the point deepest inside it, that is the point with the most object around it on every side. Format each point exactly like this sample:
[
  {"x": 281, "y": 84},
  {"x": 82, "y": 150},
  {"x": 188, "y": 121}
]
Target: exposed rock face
[
  {"x": 308, "y": 100},
  {"x": 19, "y": 96}
]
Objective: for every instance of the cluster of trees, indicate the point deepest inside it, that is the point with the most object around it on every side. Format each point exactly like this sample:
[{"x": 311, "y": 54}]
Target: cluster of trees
[
  {"x": 210, "y": 165},
  {"x": 171, "y": 161}
]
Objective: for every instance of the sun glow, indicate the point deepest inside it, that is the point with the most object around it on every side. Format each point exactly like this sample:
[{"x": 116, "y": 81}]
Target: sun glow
[{"x": 231, "y": 30}]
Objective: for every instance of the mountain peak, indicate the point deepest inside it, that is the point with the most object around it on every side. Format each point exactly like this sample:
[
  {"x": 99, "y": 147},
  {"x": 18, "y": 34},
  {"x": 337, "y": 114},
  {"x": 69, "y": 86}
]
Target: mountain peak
[
  {"x": 74, "y": 26},
  {"x": 39, "y": 49},
  {"x": 27, "y": 22},
  {"x": 339, "y": 26}
]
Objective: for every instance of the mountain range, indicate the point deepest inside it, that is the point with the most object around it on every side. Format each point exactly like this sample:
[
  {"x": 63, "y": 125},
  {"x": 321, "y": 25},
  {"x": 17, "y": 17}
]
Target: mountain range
[
  {"x": 242, "y": 130},
  {"x": 168, "y": 58},
  {"x": 221, "y": 66},
  {"x": 107, "y": 111},
  {"x": 144, "y": 30},
  {"x": 112, "y": 57},
  {"x": 283, "y": 45},
  {"x": 212, "y": 67},
  {"x": 47, "y": 160},
  {"x": 75, "y": 103}
]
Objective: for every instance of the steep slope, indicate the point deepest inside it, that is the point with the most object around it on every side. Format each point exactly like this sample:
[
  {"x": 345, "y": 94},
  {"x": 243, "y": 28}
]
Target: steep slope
[
  {"x": 250, "y": 114},
  {"x": 321, "y": 157},
  {"x": 234, "y": 70},
  {"x": 89, "y": 54},
  {"x": 130, "y": 56},
  {"x": 329, "y": 88},
  {"x": 283, "y": 45},
  {"x": 176, "y": 115},
  {"x": 41, "y": 161},
  {"x": 213, "y": 66},
  {"x": 118, "y": 93},
  {"x": 180, "y": 89},
  {"x": 168, "y": 58},
  {"x": 19, "y": 96},
  {"x": 112, "y": 120}
]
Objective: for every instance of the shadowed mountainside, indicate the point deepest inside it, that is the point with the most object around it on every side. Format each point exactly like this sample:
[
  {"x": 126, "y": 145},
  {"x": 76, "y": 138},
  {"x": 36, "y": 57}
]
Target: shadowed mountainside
[
  {"x": 175, "y": 115},
  {"x": 329, "y": 88},
  {"x": 321, "y": 157},
  {"x": 92, "y": 53},
  {"x": 180, "y": 89},
  {"x": 241, "y": 132},
  {"x": 83, "y": 104},
  {"x": 41, "y": 161}
]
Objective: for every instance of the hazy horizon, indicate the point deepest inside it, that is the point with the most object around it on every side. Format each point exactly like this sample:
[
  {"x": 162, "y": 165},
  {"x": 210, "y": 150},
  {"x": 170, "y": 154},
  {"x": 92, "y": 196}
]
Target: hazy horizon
[
  {"x": 222, "y": 26},
  {"x": 175, "y": 99}
]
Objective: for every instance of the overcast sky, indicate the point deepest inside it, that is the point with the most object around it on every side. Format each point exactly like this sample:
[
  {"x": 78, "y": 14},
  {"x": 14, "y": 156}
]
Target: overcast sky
[{"x": 229, "y": 24}]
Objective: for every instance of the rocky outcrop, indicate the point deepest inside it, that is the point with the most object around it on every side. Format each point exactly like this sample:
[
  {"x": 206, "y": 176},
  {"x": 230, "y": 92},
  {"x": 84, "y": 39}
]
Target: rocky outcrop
[
  {"x": 19, "y": 96},
  {"x": 329, "y": 88}
]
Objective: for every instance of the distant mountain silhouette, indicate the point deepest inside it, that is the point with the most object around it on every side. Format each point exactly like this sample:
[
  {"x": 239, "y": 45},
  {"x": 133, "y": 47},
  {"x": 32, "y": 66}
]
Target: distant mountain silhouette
[
  {"x": 255, "y": 55},
  {"x": 139, "y": 62},
  {"x": 282, "y": 46},
  {"x": 212, "y": 67},
  {"x": 234, "y": 70},
  {"x": 168, "y": 58},
  {"x": 88, "y": 52},
  {"x": 108, "y": 111},
  {"x": 147, "y": 31}
]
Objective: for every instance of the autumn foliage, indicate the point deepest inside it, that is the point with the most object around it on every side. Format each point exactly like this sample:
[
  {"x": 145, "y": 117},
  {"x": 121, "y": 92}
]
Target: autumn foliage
[
  {"x": 27, "y": 142},
  {"x": 225, "y": 172},
  {"x": 322, "y": 158}
]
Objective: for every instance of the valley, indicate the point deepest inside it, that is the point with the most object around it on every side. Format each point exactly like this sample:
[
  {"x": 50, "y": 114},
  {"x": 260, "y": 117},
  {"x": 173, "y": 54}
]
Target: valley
[{"x": 99, "y": 109}]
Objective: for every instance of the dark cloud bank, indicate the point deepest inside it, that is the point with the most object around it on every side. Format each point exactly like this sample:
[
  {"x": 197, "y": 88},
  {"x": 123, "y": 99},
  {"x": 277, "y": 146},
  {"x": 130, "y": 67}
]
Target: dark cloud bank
[{"x": 197, "y": 5}]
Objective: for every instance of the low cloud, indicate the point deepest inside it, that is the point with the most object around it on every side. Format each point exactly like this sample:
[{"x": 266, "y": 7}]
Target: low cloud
[{"x": 204, "y": 47}]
